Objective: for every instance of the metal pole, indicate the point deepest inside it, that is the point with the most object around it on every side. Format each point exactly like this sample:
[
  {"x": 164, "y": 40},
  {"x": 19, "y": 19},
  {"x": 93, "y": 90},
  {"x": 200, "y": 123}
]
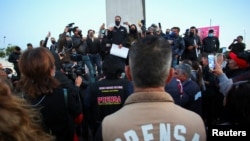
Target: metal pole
[{"x": 4, "y": 39}]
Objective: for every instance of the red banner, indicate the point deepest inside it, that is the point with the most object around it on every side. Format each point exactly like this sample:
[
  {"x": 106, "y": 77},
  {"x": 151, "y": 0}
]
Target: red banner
[{"x": 203, "y": 31}]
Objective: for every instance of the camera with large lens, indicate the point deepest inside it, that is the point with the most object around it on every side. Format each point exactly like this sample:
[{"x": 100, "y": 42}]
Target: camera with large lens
[
  {"x": 73, "y": 70},
  {"x": 70, "y": 26}
]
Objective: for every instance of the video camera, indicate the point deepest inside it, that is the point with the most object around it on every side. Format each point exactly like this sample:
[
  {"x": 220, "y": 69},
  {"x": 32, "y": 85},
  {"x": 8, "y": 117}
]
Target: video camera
[
  {"x": 72, "y": 70},
  {"x": 70, "y": 26}
]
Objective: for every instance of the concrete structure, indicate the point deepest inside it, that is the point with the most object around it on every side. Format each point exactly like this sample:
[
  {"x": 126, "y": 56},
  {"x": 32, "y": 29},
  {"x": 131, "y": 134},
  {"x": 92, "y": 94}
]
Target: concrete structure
[{"x": 131, "y": 11}]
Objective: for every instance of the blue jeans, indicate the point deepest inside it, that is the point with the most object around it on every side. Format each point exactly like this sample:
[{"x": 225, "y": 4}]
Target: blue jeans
[
  {"x": 175, "y": 61},
  {"x": 96, "y": 62},
  {"x": 86, "y": 60}
]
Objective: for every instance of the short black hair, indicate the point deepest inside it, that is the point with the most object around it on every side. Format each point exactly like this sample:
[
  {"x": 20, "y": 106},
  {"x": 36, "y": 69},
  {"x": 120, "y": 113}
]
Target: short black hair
[
  {"x": 91, "y": 30},
  {"x": 240, "y": 37},
  {"x": 192, "y": 27},
  {"x": 112, "y": 67},
  {"x": 117, "y": 16},
  {"x": 17, "y": 48},
  {"x": 29, "y": 44},
  {"x": 211, "y": 31},
  {"x": 74, "y": 28}
]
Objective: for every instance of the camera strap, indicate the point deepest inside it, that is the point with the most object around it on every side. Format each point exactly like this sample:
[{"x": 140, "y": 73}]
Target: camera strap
[{"x": 65, "y": 93}]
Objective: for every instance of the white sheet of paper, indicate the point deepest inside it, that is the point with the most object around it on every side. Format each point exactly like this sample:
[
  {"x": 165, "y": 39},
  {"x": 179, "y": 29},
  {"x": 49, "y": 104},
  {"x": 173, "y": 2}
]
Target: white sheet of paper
[{"x": 120, "y": 52}]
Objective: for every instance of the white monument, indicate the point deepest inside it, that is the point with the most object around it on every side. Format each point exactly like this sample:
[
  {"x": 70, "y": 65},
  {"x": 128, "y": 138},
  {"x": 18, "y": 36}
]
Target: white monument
[{"x": 131, "y": 11}]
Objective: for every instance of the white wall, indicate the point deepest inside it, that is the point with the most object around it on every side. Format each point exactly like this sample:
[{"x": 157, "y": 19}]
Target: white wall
[{"x": 131, "y": 11}]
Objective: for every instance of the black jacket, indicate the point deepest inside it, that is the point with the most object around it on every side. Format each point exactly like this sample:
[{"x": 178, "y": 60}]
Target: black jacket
[
  {"x": 211, "y": 44},
  {"x": 13, "y": 57},
  {"x": 118, "y": 35},
  {"x": 58, "y": 114},
  {"x": 78, "y": 44},
  {"x": 93, "y": 47},
  {"x": 105, "y": 97},
  {"x": 190, "y": 41},
  {"x": 237, "y": 47}
]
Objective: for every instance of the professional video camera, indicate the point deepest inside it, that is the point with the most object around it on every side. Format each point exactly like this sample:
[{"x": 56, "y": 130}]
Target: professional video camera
[
  {"x": 70, "y": 26},
  {"x": 72, "y": 70}
]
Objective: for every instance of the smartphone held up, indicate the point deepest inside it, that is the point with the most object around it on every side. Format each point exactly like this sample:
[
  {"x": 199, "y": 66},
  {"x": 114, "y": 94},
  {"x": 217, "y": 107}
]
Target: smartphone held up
[{"x": 211, "y": 61}]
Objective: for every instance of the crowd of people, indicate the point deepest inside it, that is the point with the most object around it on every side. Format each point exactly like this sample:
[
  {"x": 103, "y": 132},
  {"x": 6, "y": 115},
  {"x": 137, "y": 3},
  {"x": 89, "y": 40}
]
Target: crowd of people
[{"x": 77, "y": 90}]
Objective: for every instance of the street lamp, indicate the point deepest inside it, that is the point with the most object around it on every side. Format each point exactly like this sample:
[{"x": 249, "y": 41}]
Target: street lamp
[{"x": 4, "y": 39}]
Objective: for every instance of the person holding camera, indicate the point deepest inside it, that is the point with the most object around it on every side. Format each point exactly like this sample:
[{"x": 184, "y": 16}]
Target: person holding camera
[
  {"x": 212, "y": 97},
  {"x": 237, "y": 45},
  {"x": 79, "y": 44},
  {"x": 235, "y": 91}
]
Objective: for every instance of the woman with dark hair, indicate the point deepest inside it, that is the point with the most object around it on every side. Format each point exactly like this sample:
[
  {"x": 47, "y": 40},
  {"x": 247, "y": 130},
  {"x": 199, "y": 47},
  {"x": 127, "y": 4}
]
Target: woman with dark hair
[
  {"x": 133, "y": 35},
  {"x": 59, "y": 108}
]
